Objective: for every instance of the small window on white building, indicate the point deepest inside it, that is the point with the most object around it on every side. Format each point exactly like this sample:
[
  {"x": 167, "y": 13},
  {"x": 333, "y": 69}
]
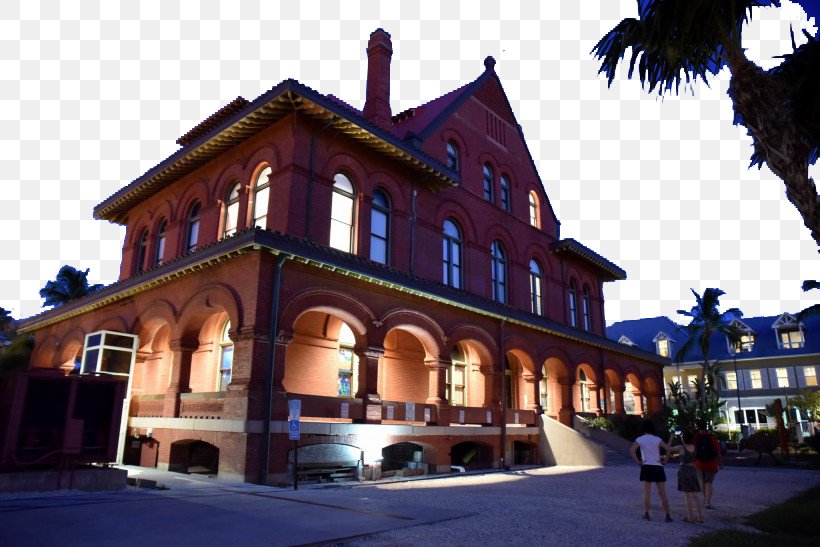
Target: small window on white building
[
  {"x": 782, "y": 377},
  {"x": 731, "y": 380},
  {"x": 810, "y": 374},
  {"x": 757, "y": 379},
  {"x": 747, "y": 338}
]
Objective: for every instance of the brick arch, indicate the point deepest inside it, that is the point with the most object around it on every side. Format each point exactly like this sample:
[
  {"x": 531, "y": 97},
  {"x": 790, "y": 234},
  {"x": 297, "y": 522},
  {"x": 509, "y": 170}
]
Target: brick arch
[
  {"x": 268, "y": 153},
  {"x": 142, "y": 222},
  {"x": 480, "y": 339},
  {"x": 164, "y": 209},
  {"x": 651, "y": 385},
  {"x": 229, "y": 175},
  {"x": 356, "y": 314},
  {"x": 451, "y": 134},
  {"x": 583, "y": 363},
  {"x": 208, "y": 300},
  {"x": 462, "y": 217},
  {"x": 116, "y": 323},
  {"x": 613, "y": 373},
  {"x": 45, "y": 352},
  {"x": 632, "y": 373},
  {"x": 381, "y": 180},
  {"x": 523, "y": 350},
  {"x": 151, "y": 319},
  {"x": 487, "y": 158},
  {"x": 420, "y": 325},
  {"x": 350, "y": 166},
  {"x": 536, "y": 251},
  {"x": 71, "y": 343},
  {"x": 196, "y": 191},
  {"x": 500, "y": 233}
]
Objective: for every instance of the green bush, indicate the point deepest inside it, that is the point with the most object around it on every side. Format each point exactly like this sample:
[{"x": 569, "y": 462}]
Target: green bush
[
  {"x": 15, "y": 357},
  {"x": 600, "y": 423}
]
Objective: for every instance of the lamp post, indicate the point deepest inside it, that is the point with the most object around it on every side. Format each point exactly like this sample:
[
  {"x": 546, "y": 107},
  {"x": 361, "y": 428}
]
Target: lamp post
[{"x": 739, "y": 406}]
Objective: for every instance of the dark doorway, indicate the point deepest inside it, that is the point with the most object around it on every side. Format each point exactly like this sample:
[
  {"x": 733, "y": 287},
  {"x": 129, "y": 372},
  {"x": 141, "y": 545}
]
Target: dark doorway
[{"x": 470, "y": 455}]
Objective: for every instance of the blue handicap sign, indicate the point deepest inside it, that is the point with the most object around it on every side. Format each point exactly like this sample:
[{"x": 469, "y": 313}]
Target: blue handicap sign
[{"x": 294, "y": 430}]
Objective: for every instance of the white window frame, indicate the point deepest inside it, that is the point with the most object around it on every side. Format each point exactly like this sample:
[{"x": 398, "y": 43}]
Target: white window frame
[
  {"x": 787, "y": 324},
  {"x": 758, "y": 381},
  {"x": 782, "y": 375},
  {"x": 669, "y": 343},
  {"x": 813, "y": 376}
]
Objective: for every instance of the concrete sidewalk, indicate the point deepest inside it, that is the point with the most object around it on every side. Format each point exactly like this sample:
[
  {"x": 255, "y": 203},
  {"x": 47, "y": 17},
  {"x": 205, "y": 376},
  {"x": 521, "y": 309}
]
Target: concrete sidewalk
[{"x": 203, "y": 511}]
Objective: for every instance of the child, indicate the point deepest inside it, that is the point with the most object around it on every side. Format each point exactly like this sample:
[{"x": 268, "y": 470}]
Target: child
[{"x": 651, "y": 466}]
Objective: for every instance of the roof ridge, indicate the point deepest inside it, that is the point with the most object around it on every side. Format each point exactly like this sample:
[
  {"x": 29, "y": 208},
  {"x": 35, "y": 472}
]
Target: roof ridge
[{"x": 213, "y": 120}]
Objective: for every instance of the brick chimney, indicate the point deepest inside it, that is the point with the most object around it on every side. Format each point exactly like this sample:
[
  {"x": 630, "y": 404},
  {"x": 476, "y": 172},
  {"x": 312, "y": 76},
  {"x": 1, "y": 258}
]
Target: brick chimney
[{"x": 377, "y": 101}]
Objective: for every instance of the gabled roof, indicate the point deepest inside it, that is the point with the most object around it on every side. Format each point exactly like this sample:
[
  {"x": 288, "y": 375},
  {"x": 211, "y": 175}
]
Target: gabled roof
[
  {"x": 626, "y": 341},
  {"x": 662, "y": 336},
  {"x": 420, "y": 122},
  {"x": 644, "y": 331},
  {"x": 785, "y": 320},
  {"x": 742, "y": 326},
  {"x": 240, "y": 121}
]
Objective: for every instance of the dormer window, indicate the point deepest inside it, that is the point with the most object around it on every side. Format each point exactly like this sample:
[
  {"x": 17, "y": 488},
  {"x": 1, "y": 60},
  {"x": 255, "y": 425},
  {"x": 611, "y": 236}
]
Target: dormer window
[
  {"x": 625, "y": 341},
  {"x": 790, "y": 334},
  {"x": 663, "y": 344},
  {"x": 747, "y": 338}
]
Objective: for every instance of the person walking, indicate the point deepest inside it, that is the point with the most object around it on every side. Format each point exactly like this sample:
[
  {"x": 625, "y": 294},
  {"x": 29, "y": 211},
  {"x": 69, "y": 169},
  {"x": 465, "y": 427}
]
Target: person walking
[
  {"x": 651, "y": 466},
  {"x": 688, "y": 481},
  {"x": 708, "y": 460}
]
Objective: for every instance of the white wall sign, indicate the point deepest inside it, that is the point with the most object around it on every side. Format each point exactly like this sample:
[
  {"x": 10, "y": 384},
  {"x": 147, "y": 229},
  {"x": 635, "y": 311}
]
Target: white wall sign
[
  {"x": 345, "y": 410},
  {"x": 410, "y": 412}
]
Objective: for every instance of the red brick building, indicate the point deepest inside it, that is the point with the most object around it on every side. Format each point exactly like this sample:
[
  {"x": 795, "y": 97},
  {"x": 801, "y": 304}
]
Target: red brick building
[{"x": 403, "y": 276}]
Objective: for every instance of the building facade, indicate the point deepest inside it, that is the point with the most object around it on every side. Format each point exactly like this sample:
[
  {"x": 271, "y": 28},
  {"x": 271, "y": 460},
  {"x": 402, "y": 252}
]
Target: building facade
[
  {"x": 403, "y": 276},
  {"x": 777, "y": 357}
]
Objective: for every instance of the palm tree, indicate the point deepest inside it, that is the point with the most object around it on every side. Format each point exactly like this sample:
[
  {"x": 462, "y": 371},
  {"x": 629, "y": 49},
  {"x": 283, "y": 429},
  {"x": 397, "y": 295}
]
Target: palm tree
[
  {"x": 680, "y": 41},
  {"x": 70, "y": 283},
  {"x": 6, "y": 320},
  {"x": 706, "y": 322}
]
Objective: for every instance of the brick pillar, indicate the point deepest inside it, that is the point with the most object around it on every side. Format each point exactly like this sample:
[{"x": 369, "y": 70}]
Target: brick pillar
[
  {"x": 553, "y": 396},
  {"x": 437, "y": 388},
  {"x": 246, "y": 392},
  {"x": 567, "y": 409},
  {"x": 181, "y": 353},
  {"x": 654, "y": 403},
  {"x": 638, "y": 397},
  {"x": 279, "y": 410},
  {"x": 618, "y": 394},
  {"x": 533, "y": 392},
  {"x": 369, "y": 382},
  {"x": 492, "y": 386},
  {"x": 594, "y": 399},
  {"x": 138, "y": 379}
]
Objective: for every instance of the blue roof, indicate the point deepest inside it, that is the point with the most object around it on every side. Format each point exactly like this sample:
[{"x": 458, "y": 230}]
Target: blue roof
[{"x": 642, "y": 332}]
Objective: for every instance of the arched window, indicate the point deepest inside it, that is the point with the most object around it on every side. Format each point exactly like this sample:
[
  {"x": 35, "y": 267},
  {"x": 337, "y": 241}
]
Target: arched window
[
  {"x": 583, "y": 386},
  {"x": 535, "y": 287},
  {"x": 159, "y": 249},
  {"x": 544, "y": 389},
  {"x": 499, "y": 272},
  {"x": 585, "y": 307},
  {"x": 142, "y": 248},
  {"x": 457, "y": 377},
  {"x": 231, "y": 211},
  {"x": 261, "y": 196},
  {"x": 192, "y": 231},
  {"x": 451, "y": 254},
  {"x": 533, "y": 210},
  {"x": 341, "y": 214},
  {"x": 452, "y": 157},
  {"x": 488, "y": 184},
  {"x": 225, "y": 358},
  {"x": 573, "y": 297},
  {"x": 380, "y": 228},
  {"x": 348, "y": 363},
  {"x": 505, "y": 193}
]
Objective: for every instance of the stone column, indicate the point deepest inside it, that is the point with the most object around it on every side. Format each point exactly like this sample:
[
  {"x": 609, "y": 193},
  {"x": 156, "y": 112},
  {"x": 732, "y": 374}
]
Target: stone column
[
  {"x": 245, "y": 394},
  {"x": 638, "y": 398},
  {"x": 279, "y": 410},
  {"x": 180, "y": 379},
  {"x": 532, "y": 393},
  {"x": 618, "y": 394},
  {"x": 437, "y": 388},
  {"x": 138, "y": 387},
  {"x": 594, "y": 399},
  {"x": 567, "y": 409},
  {"x": 492, "y": 386},
  {"x": 369, "y": 382}
]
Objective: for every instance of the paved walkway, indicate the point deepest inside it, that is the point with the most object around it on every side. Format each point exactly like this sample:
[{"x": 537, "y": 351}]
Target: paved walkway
[{"x": 570, "y": 506}]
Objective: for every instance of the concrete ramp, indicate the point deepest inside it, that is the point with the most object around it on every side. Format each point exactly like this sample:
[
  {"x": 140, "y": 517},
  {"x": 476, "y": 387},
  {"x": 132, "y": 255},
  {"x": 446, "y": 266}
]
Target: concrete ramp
[
  {"x": 562, "y": 445},
  {"x": 610, "y": 440}
]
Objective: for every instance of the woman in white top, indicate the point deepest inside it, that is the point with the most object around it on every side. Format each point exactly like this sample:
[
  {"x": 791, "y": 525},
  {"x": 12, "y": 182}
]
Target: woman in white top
[{"x": 651, "y": 464}]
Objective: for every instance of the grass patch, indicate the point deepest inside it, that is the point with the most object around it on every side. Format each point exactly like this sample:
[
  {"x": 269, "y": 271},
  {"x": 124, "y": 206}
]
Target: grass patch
[{"x": 793, "y": 523}]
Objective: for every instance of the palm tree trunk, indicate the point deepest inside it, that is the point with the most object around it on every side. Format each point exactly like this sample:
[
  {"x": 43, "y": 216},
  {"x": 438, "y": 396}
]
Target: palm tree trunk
[{"x": 761, "y": 100}]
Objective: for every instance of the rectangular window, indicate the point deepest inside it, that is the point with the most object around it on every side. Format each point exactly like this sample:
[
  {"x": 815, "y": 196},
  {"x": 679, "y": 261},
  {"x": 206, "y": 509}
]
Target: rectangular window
[
  {"x": 782, "y": 377},
  {"x": 810, "y": 375},
  {"x": 757, "y": 380},
  {"x": 761, "y": 417},
  {"x": 791, "y": 339},
  {"x": 731, "y": 380},
  {"x": 663, "y": 348},
  {"x": 738, "y": 417}
]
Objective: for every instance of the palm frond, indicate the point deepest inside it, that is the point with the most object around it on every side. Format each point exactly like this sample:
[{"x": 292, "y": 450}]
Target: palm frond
[{"x": 808, "y": 313}]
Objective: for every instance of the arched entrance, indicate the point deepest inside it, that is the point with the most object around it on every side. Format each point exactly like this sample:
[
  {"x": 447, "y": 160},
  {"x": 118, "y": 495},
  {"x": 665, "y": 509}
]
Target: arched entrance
[
  {"x": 403, "y": 373},
  {"x": 404, "y": 455},
  {"x": 194, "y": 456},
  {"x": 471, "y": 455}
]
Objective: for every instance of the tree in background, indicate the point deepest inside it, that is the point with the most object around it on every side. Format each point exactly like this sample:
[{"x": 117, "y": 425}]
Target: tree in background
[
  {"x": 675, "y": 41},
  {"x": 6, "y": 321},
  {"x": 70, "y": 284},
  {"x": 707, "y": 321},
  {"x": 807, "y": 401}
]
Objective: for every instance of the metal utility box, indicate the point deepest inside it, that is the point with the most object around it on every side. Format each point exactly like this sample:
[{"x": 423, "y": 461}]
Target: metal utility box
[{"x": 45, "y": 415}]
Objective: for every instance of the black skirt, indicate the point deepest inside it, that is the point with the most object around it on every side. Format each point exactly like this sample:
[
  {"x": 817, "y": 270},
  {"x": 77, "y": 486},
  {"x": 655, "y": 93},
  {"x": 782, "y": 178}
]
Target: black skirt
[{"x": 652, "y": 473}]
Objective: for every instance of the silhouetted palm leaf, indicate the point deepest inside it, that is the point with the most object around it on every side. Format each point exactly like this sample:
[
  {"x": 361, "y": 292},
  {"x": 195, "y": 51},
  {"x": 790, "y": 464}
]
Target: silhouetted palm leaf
[{"x": 69, "y": 285}]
